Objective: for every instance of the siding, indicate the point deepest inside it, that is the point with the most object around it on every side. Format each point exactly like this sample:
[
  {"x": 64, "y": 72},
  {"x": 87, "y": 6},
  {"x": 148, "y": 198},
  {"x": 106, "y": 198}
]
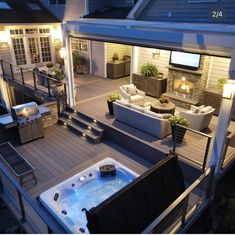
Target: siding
[
  {"x": 117, "y": 48},
  {"x": 95, "y": 5},
  {"x": 183, "y": 11},
  {"x": 145, "y": 55},
  {"x": 5, "y": 53},
  {"x": 97, "y": 52},
  {"x": 219, "y": 69},
  {"x": 74, "y": 9}
]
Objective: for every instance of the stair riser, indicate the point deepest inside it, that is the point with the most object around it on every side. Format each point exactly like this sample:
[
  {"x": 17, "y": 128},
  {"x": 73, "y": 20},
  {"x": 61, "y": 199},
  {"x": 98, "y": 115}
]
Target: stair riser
[
  {"x": 84, "y": 125},
  {"x": 96, "y": 140}
]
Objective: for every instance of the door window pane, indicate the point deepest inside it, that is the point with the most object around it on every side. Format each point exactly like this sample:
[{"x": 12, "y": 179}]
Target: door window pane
[
  {"x": 34, "y": 50},
  {"x": 45, "y": 49},
  {"x": 18, "y": 45}
]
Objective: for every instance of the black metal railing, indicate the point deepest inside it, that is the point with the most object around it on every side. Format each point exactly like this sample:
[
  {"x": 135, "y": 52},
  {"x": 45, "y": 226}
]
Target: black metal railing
[
  {"x": 192, "y": 145},
  {"x": 25, "y": 209},
  {"x": 180, "y": 215},
  {"x": 30, "y": 78}
]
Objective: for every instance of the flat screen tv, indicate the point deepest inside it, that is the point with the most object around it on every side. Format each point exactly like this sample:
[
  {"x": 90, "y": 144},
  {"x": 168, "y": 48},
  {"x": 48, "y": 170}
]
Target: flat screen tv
[{"x": 185, "y": 60}]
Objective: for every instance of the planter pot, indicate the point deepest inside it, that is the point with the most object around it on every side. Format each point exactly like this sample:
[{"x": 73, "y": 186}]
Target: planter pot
[
  {"x": 57, "y": 89},
  {"x": 179, "y": 134},
  {"x": 40, "y": 79},
  {"x": 110, "y": 106}
]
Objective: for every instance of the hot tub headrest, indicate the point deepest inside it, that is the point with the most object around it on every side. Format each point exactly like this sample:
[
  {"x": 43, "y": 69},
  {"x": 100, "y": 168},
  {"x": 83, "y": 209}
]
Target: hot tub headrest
[{"x": 135, "y": 206}]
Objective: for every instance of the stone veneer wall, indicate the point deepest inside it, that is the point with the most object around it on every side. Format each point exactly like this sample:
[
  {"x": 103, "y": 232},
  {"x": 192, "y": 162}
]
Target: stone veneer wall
[
  {"x": 52, "y": 118},
  {"x": 199, "y": 79}
]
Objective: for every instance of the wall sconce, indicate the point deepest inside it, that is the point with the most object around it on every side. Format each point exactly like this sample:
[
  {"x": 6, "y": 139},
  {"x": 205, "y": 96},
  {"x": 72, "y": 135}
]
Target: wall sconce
[
  {"x": 4, "y": 38},
  {"x": 229, "y": 89},
  {"x": 63, "y": 53},
  {"x": 156, "y": 53}
]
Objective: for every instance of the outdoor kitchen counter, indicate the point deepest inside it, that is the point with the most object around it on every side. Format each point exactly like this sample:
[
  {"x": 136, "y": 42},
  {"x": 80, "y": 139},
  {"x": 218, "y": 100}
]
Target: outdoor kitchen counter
[{"x": 7, "y": 120}]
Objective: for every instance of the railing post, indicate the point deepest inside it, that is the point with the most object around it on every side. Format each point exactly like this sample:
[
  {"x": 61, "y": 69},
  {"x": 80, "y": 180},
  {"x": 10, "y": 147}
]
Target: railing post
[
  {"x": 34, "y": 81},
  {"x": 206, "y": 154},
  {"x": 2, "y": 68},
  {"x": 49, "y": 86},
  {"x": 65, "y": 95},
  {"x": 21, "y": 206},
  {"x": 22, "y": 75},
  {"x": 12, "y": 74}
]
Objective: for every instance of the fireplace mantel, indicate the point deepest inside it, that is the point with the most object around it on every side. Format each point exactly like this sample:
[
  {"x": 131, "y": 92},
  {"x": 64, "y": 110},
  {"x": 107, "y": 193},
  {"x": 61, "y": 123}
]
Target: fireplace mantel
[{"x": 199, "y": 73}]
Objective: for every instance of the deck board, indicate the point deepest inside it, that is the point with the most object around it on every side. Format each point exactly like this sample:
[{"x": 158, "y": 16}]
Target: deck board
[{"x": 62, "y": 153}]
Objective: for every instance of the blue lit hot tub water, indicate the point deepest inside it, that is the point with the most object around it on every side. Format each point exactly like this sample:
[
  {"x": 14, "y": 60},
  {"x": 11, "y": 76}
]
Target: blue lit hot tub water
[{"x": 86, "y": 189}]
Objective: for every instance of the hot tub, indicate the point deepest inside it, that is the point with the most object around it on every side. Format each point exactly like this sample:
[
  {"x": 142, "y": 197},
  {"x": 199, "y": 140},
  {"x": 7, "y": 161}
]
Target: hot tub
[{"x": 86, "y": 189}]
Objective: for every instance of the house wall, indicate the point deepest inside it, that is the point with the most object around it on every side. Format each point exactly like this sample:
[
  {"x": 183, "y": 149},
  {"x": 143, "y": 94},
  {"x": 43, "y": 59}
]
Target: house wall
[
  {"x": 162, "y": 61},
  {"x": 75, "y": 9},
  {"x": 95, "y": 5},
  {"x": 219, "y": 69},
  {"x": 5, "y": 53},
  {"x": 97, "y": 58},
  {"x": 184, "y": 11},
  {"x": 117, "y": 48}
]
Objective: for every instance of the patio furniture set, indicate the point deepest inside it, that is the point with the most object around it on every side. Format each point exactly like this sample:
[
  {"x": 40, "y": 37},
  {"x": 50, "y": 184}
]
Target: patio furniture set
[{"x": 152, "y": 117}]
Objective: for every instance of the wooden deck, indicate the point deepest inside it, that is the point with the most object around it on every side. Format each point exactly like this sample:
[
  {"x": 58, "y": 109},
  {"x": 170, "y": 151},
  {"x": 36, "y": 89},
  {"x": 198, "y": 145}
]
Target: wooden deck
[
  {"x": 61, "y": 154},
  {"x": 193, "y": 145}
]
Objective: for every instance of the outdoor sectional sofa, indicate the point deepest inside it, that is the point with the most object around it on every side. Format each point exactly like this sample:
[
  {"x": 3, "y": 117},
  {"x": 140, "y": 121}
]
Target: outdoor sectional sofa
[{"x": 142, "y": 119}]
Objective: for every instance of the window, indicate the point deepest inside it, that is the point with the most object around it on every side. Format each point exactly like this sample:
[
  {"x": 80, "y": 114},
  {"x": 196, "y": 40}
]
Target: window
[
  {"x": 57, "y": 2},
  {"x": 31, "y": 31},
  {"x": 34, "y": 7},
  {"x": 4, "y": 5},
  {"x": 79, "y": 45},
  {"x": 46, "y": 30},
  {"x": 201, "y": 1},
  {"x": 16, "y": 31}
]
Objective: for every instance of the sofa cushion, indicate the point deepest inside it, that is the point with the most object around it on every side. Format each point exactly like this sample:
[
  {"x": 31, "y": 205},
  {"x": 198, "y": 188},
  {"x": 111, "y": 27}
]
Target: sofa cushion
[
  {"x": 206, "y": 109},
  {"x": 131, "y": 90},
  {"x": 153, "y": 114},
  {"x": 138, "y": 108},
  {"x": 123, "y": 102}
]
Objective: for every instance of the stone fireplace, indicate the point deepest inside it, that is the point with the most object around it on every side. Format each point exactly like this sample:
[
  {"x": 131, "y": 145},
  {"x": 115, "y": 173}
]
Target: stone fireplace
[{"x": 185, "y": 87}]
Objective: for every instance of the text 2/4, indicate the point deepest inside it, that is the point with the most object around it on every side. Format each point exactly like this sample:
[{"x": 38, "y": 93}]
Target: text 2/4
[{"x": 217, "y": 14}]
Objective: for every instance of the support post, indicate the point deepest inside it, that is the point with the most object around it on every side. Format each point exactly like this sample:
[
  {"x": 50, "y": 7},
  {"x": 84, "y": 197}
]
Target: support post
[
  {"x": 12, "y": 74},
  {"x": 34, "y": 81},
  {"x": 226, "y": 111}
]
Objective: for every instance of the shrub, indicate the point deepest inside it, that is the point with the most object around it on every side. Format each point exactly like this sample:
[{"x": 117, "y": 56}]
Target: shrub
[
  {"x": 113, "y": 97},
  {"x": 177, "y": 120}
]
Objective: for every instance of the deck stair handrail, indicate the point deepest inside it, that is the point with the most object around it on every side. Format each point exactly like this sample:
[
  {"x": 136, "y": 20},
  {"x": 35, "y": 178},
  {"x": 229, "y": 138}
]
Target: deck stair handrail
[
  {"x": 193, "y": 145},
  {"x": 8, "y": 73},
  {"x": 180, "y": 215},
  {"x": 25, "y": 202}
]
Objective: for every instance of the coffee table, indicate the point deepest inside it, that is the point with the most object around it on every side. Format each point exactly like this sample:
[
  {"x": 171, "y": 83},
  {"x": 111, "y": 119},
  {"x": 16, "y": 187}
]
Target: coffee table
[{"x": 158, "y": 107}]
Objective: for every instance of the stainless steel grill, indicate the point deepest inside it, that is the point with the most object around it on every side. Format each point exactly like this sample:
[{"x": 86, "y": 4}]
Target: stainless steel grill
[{"x": 29, "y": 121}]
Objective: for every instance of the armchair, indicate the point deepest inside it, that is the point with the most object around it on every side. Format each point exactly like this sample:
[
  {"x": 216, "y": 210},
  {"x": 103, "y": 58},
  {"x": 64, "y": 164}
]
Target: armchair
[
  {"x": 132, "y": 94},
  {"x": 198, "y": 121}
]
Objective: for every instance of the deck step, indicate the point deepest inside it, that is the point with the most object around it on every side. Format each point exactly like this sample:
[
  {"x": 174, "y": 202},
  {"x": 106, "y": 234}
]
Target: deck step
[
  {"x": 83, "y": 122},
  {"x": 83, "y": 131}
]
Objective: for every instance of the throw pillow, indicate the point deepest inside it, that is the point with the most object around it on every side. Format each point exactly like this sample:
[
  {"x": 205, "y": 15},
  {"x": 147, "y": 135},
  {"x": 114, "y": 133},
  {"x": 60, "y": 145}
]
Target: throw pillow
[
  {"x": 131, "y": 90},
  {"x": 196, "y": 109},
  {"x": 153, "y": 114},
  {"x": 138, "y": 108},
  {"x": 205, "y": 110}
]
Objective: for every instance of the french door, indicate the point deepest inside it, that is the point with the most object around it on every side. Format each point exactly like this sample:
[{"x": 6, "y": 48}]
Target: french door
[{"x": 31, "y": 49}]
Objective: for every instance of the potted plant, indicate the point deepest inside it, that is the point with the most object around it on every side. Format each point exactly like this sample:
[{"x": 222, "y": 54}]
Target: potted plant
[
  {"x": 179, "y": 135},
  {"x": 149, "y": 70},
  {"x": 110, "y": 99},
  {"x": 163, "y": 100},
  {"x": 59, "y": 76},
  {"x": 79, "y": 63},
  {"x": 115, "y": 57},
  {"x": 221, "y": 82}
]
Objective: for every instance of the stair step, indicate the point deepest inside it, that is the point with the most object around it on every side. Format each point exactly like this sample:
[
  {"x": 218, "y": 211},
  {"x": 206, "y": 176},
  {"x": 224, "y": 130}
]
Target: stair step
[
  {"x": 83, "y": 131},
  {"x": 83, "y": 122}
]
